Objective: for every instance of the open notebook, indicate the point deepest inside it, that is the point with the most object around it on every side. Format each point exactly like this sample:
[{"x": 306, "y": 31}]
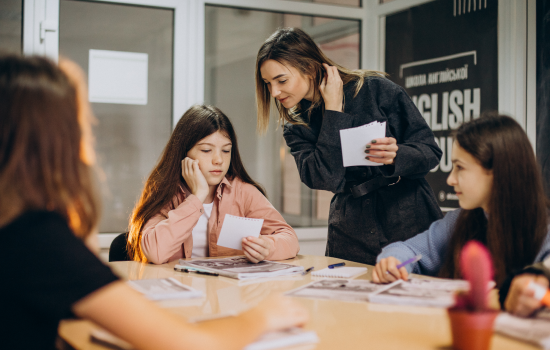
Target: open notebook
[{"x": 340, "y": 272}]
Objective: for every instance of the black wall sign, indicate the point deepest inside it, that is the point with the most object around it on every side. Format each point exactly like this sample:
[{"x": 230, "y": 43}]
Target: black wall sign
[{"x": 444, "y": 53}]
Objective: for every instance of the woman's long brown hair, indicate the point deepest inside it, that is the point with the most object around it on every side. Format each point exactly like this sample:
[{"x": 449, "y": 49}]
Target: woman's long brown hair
[
  {"x": 292, "y": 46},
  {"x": 164, "y": 181},
  {"x": 45, "y": 151},
  {"x": 516, "y": 224}
]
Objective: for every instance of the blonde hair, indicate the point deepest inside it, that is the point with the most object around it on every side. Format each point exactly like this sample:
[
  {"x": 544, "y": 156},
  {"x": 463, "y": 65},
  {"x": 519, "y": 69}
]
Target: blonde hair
[{"x": 294, "y": 47}]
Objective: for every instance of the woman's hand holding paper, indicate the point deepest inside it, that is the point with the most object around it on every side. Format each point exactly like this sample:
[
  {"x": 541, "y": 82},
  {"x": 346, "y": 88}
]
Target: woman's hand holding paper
[
  {"x": 386, "y": 271},
  {"x": 384, "y": 150},
  {"x": 257, "y": 249}
]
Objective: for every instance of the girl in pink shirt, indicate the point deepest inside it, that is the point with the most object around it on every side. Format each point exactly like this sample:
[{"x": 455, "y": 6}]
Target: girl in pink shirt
[{"x": 199, "y": 179}]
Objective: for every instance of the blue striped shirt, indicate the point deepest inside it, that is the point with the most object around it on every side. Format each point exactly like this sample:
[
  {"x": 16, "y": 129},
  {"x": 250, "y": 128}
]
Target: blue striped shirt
[{"x": 433, "y": 245}]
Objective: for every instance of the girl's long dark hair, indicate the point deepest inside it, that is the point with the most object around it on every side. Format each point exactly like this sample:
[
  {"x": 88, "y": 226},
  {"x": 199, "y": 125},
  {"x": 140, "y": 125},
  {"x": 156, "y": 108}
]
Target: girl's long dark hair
[
  {"x": 163, "y": 183},
  {"x": 518, "y": 207}
]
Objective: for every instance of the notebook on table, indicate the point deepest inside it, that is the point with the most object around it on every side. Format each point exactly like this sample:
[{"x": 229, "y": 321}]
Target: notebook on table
[{"x": 340, "y": 272}]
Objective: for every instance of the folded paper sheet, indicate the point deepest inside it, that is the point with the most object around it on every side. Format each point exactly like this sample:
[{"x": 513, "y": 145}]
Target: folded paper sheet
[
  {"x": 355, "y": 140},
  {"x": 235, "y": 228}
]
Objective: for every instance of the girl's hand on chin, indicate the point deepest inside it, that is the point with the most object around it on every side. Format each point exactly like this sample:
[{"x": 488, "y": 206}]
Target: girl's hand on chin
[
  {"x": 257, "y": 249},
  {"x": 194, "y": 178},
  {"x": 332, "y": 89}
]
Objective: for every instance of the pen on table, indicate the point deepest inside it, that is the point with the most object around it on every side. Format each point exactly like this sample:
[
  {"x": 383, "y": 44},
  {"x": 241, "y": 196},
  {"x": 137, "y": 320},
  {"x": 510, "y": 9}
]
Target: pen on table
[
  {"x": 336, "y": 265},
  {"x": 307, "y": 271},
  {"x": 183, "y": 268},
  {"x": 205, "y": 273},
  {"x": 180, "y": 269},
  {"x": 407, "y": 262}
]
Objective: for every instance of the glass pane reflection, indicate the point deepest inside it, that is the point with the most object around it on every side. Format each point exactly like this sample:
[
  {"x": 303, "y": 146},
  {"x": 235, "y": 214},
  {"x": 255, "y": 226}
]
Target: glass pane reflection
[{"x": 231, "y": 49}]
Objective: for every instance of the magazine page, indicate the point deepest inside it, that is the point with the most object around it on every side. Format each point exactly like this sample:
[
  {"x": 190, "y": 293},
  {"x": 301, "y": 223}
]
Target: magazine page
[
  {"x": 535, "y": 330},
  {"x": 432, "y": 293},
  {"x": 338, "y": 289},
  {"x": 240, "y": 268}
]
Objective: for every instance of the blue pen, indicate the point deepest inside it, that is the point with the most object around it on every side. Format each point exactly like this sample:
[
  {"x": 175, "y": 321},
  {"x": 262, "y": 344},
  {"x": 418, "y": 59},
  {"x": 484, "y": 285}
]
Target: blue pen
[
  {"x": 407, "y": 262},
  {"x": 336, "y": 265}
]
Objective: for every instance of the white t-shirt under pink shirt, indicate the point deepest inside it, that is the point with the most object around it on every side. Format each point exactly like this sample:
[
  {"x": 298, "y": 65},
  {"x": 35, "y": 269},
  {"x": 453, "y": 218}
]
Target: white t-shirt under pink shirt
[{"x": 200, "y": 233}]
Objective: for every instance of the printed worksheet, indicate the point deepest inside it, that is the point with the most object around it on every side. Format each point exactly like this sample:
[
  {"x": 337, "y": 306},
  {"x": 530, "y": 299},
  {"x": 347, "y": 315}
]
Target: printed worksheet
[
  {"x": 235, "y": 228},
  {"x": 355, "y": 140}
]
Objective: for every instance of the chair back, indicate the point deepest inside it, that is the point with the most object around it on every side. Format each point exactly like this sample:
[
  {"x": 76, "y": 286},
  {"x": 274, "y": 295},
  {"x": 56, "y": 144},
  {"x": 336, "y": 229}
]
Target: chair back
[{"x": 118, "y": 250}]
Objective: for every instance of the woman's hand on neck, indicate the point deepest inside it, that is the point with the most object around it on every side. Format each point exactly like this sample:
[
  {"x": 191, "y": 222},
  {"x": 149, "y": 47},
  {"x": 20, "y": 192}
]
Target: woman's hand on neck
[{"x": 332, "y": 89}]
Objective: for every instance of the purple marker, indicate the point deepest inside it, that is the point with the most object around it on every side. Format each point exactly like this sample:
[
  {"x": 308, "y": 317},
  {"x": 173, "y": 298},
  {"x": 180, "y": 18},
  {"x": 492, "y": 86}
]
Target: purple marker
[{"x": 407, "y": 262}]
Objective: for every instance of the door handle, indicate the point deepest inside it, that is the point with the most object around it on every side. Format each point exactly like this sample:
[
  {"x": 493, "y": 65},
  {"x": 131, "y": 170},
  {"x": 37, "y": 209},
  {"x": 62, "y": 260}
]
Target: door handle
[{"x": 47, "y": 26}]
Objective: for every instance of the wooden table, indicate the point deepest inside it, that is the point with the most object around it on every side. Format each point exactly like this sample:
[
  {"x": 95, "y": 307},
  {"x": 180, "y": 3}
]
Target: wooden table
[{"x": 339, "y": 325}]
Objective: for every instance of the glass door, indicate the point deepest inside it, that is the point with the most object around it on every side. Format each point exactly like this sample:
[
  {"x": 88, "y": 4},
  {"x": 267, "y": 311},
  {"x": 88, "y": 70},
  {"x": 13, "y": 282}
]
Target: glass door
[
  {"x": 127, "y": 52},
  {"x": 11, "y": 24}
]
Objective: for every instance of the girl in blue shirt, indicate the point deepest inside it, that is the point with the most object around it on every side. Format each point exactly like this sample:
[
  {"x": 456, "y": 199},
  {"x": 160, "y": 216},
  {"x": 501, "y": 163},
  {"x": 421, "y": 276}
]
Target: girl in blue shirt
[{"x": 502, "y": 204}]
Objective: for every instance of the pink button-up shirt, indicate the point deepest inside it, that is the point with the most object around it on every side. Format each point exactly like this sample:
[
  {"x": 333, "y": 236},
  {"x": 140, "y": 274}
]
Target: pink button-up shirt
[{"x": 167, "y": 236}]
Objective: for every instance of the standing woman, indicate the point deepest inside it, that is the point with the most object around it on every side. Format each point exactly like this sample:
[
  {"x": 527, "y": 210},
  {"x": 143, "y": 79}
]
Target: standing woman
[{"x": 316, "y": 98}]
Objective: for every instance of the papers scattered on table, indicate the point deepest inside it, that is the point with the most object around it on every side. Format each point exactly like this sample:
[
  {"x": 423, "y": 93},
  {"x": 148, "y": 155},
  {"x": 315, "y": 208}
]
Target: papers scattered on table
[
  {"x": 273, "y": 340},
  {"x": 415, "y": 292},
  {"x": 164, "y": 289},
  {"x": 240, "y": 268},
  {"x": 340, "y": 272},
  {"x": 235, "y": 228},
  {"x": 534, "y": 330},
  {"x": 334, "y": 289},
  {"x": 420, "y": 292},
  {"x": 355, "y": 140}
]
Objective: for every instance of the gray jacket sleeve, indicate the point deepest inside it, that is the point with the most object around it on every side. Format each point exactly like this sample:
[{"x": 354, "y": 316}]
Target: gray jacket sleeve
[{"x": 319, "y": 159}]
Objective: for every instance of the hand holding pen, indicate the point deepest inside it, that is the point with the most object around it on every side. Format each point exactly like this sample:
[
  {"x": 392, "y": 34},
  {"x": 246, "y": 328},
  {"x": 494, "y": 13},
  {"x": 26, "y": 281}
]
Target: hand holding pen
[{"x": 391, "y": 269}]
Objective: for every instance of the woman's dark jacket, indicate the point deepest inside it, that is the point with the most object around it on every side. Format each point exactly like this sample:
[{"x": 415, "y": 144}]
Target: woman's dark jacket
[{"x": 360, "y": 227}]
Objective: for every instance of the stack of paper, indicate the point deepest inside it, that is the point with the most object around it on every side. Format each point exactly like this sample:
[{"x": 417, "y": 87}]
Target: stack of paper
[
  {"x": 420, "y": 292},
  {"x": 415, "y": 291},
  {"x": 240, "y": 268},
  {"x": 534, "y": 330},
  {"x": 164, "y": 288},
  {"x": 355, "y": 140},
  {"x": 335, "y": 289}
]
